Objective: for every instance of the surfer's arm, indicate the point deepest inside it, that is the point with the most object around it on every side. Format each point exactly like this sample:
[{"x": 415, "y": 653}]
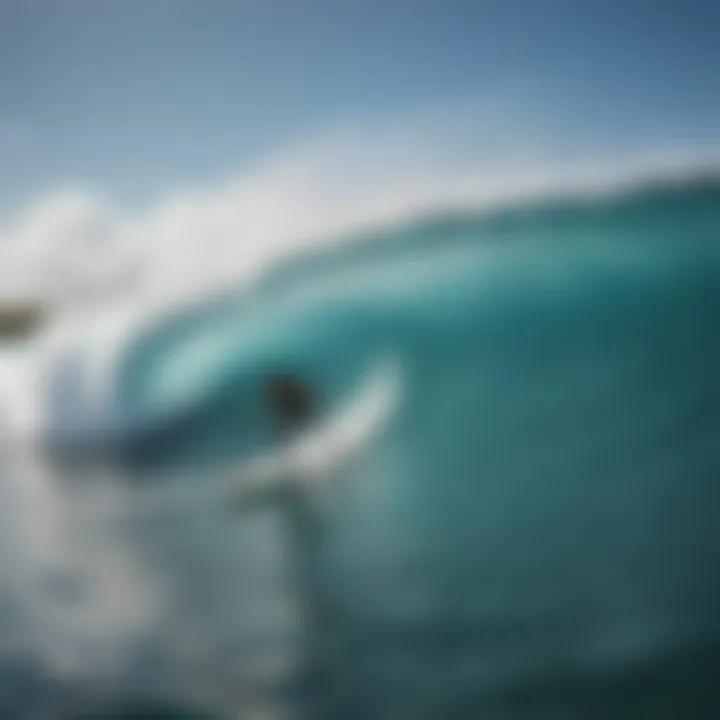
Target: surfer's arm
[{"x": 311, "y": 457}]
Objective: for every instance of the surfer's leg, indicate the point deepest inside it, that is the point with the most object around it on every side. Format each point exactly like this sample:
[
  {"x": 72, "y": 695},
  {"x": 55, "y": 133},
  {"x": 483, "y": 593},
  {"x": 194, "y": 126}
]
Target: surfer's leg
[{"x": 324, "y": 687}]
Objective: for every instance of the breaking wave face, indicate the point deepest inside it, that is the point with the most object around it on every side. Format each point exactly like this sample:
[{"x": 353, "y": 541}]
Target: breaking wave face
[{"x": 533, "y": 534}]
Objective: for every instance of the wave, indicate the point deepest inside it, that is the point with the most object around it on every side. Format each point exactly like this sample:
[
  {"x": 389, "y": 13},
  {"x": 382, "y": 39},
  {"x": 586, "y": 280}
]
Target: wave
[
  {"x": 631, "y": 208},
  {"x": 578, "y": 327}
]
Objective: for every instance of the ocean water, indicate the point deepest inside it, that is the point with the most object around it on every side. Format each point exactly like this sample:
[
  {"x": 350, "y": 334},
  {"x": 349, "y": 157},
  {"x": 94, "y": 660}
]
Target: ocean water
[{"x": 534, "y": 533}]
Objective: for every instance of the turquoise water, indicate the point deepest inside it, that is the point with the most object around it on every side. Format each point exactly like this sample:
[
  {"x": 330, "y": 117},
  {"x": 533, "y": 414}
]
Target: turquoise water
[{"x": 534, "y": 535}]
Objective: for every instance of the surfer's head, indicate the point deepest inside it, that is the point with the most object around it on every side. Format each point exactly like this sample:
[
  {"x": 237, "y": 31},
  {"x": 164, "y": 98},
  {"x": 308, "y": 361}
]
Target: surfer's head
[{"x": 290, "y": 398}]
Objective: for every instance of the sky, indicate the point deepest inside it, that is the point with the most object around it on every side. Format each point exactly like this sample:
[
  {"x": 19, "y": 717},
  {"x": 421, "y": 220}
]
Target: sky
[
  {"x": 112, "y": 108},
  {"x": 137, "y": 95}
]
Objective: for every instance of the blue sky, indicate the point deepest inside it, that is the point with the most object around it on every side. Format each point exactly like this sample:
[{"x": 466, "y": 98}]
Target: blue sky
[{"x": 136, "y": 96}]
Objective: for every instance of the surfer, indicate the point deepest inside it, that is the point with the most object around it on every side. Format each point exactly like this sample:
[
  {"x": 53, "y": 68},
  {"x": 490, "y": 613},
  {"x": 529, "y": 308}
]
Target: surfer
[
  {"x": 314, "y": 691},
  {"x": 312, "y": 452}
]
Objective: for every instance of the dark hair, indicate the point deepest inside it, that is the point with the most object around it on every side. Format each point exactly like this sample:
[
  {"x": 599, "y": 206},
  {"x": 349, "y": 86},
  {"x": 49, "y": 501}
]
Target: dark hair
[{"x": 290, "y": 398}]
